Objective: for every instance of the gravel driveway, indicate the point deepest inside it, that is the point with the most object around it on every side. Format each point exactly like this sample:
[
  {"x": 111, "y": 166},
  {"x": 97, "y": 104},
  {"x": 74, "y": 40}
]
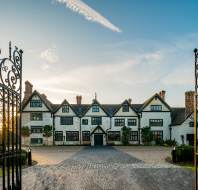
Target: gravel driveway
[{"x": 98, "y": 168}]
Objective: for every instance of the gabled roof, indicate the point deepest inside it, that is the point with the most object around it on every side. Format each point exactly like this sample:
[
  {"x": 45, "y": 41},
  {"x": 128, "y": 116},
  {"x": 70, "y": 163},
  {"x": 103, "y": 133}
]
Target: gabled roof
[
  {"x": 43, "y": 98},
  {"x": 178, "y": 116},
  {"x": 98, "y": 127},
  {"x": 65, "y": 102},
  {"x": 95, "y": 102},
  {"x": 147, "y": 102},
  {"x": 125, "y": 102}
]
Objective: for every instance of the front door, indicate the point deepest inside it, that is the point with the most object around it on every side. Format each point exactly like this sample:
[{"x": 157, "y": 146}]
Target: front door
[{"x": 98, "y": 139}]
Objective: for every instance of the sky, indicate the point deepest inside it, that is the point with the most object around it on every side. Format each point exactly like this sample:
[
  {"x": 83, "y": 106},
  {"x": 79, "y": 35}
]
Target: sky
[{"x": 118, "y": 49}]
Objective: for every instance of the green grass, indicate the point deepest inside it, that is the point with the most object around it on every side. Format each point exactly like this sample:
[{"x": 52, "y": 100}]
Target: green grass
[{"x": 1, "y": 172}]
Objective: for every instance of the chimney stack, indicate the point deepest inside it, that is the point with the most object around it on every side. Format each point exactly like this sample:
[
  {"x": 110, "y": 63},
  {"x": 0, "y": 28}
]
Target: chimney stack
[
  {"x": 189, "y": 101},
  {"x": 78, "y": 100},
  {"x": 130, "y": 101},
  {"x": 162, "y": 94},
  {"x": 28, "y": 90}
]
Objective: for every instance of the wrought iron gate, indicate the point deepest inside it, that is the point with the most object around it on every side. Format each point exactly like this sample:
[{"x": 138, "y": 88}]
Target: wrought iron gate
[
  {"x": 10, "y": 119},
  {"x": 195, "y": 116}
]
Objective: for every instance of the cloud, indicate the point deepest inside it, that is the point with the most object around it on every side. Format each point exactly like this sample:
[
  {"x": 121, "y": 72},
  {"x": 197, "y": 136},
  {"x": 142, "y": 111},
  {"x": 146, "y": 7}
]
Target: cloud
[
  {"x": 89, "y": 13},
  {"x": 49, "y": 55}
]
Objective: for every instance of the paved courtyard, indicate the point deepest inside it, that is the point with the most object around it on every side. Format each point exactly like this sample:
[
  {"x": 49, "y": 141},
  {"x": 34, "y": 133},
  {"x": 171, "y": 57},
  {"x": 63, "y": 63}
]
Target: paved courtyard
[{"x": 108, "y": 168}]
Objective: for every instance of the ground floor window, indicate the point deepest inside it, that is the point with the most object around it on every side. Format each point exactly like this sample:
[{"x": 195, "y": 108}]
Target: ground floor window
[
  {"x": 36, "y": 141},
  {"x": 134, "y": 136},
  {"x": 86, "y": 135},
  {"x": 113, "y": 135},
  {"x": 158, "y": 135},
  {"x": 72, "y": 136},
  {"x": 58, "y": 135},
  {"x": 36, "y": 129}
]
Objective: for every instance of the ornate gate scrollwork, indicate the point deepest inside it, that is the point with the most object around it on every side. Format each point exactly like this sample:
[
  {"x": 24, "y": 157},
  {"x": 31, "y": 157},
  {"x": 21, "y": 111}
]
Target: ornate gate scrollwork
[{"x": 10, "y": 119}]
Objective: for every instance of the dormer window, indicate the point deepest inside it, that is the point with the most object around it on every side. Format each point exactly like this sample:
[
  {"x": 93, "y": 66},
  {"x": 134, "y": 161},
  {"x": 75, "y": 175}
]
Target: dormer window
[
  {"x": 125, "y": 108},
  {"x": 65, "y": 109},
  {"x": 36, "y": 103},
  {"x": 95, "y": 108},
  {"x": 156, "y": 108}
]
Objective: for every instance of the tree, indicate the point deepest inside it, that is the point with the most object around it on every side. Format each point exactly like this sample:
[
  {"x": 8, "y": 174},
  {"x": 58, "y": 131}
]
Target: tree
[
  {"x": 25, "y": 132},
  {"x": 125, "y": 135},
  {"x": 47, "y": 131},
  {"x": 147, "y": 135}
]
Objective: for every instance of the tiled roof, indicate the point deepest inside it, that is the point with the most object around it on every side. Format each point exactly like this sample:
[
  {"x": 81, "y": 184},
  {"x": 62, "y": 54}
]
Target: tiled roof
[{"x": 178, "y": 115}]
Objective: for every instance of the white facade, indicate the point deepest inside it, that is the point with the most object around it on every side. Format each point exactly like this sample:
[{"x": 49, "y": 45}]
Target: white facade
[
  {"x": 181, "y": 132},
  {"x": 71, "y": 127}
]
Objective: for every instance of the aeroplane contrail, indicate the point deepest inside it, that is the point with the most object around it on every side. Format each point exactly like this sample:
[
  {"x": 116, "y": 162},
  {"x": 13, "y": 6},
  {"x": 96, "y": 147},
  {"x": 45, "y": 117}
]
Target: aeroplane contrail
[{"x": 89, "y": 13}]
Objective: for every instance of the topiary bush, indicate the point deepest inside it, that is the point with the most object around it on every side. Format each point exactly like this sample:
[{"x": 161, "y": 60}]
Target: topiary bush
[{"x": 170, "y": 142}]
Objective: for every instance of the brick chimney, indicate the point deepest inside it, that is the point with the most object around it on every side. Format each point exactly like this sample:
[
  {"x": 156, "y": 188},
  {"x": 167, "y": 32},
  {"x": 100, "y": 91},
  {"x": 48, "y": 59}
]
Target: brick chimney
[
  {"x": 162, "y": 94},
  {"x": 189, "y": 101},
  {"x": 78, "y": 100},
  {"x": 130, "y": 101},
  {"x": 28, "y": 90}
]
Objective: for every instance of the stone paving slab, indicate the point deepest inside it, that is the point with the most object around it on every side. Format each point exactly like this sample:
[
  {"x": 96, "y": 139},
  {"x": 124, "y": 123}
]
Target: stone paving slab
[{"x": 106, "y": 168}]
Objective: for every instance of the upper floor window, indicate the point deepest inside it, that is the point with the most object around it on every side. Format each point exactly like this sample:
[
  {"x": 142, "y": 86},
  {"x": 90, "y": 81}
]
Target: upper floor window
[
  {"x": 65, "y": 109},
  {"x": 85, "y": 121},
  {"x": 156, "y": 122},
  {"x": 191, "y": 124},
  {"x": 36, "y": 129},
  {"x": 119, "y": 122},
  {"x": 36, "y": 103},
  {"x": 36, "y": 116},
  {"x": 95, "y": 108},
  {"x": 156, "y": 107},
  {"x": 96, "y": 120},
  {"x": 132, "y": 122},
  {"x": 125, "y": 108},
  {"x": 66, "y": 120}
]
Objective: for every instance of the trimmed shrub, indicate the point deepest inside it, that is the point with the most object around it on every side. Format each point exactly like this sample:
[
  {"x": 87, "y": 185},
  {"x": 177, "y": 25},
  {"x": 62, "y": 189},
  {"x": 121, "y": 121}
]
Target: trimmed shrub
[
  {"x": 23, "y": 158},
  {"x": 159, "y": 142},
  {"x": 170, "y": 142},
  {"x": 184, "y": 153}
]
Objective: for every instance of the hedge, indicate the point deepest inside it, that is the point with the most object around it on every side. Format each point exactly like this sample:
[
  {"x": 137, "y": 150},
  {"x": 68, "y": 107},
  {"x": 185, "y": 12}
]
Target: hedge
[
  {"x": 23, "y": 158},
  {"x": 184, "y": 153}
]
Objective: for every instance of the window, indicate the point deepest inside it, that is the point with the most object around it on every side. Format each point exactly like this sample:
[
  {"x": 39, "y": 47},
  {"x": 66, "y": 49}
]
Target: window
[
  {"x": 125, "y": 108},
  {"x": 132, "y": 122},
  {"x": 157, "y": 135},
  {"x": 86, "y": 135},
  {"x": 58, "y": 135},
  {"x": 36, "y": 129},
  {"x": 191, "y": 124},
  {"x": 134, "y": 136},
  {"x": 36, "y": 116},
  {"x": 66, "y": 120},
  {"x": 85, "y": 121},
  {"x": 72, "y": 136},
  {"x": 156, "y": 122},
  {"x": 119, "y": 122},
  {"x": 36, "y": 103},
  {"x": 36, "y": 141},
  {"x": 96, "y": 120},
  {"x": 95, "y": 108},
  {"x": 65, "y": 109},
  {"x": 113, "y": 135},
  {"x": 156, "y": 108}
]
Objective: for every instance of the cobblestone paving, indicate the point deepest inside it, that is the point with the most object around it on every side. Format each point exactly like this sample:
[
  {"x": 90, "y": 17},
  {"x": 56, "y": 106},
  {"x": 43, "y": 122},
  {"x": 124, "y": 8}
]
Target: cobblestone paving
[{"x": 94, "y": 168}]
